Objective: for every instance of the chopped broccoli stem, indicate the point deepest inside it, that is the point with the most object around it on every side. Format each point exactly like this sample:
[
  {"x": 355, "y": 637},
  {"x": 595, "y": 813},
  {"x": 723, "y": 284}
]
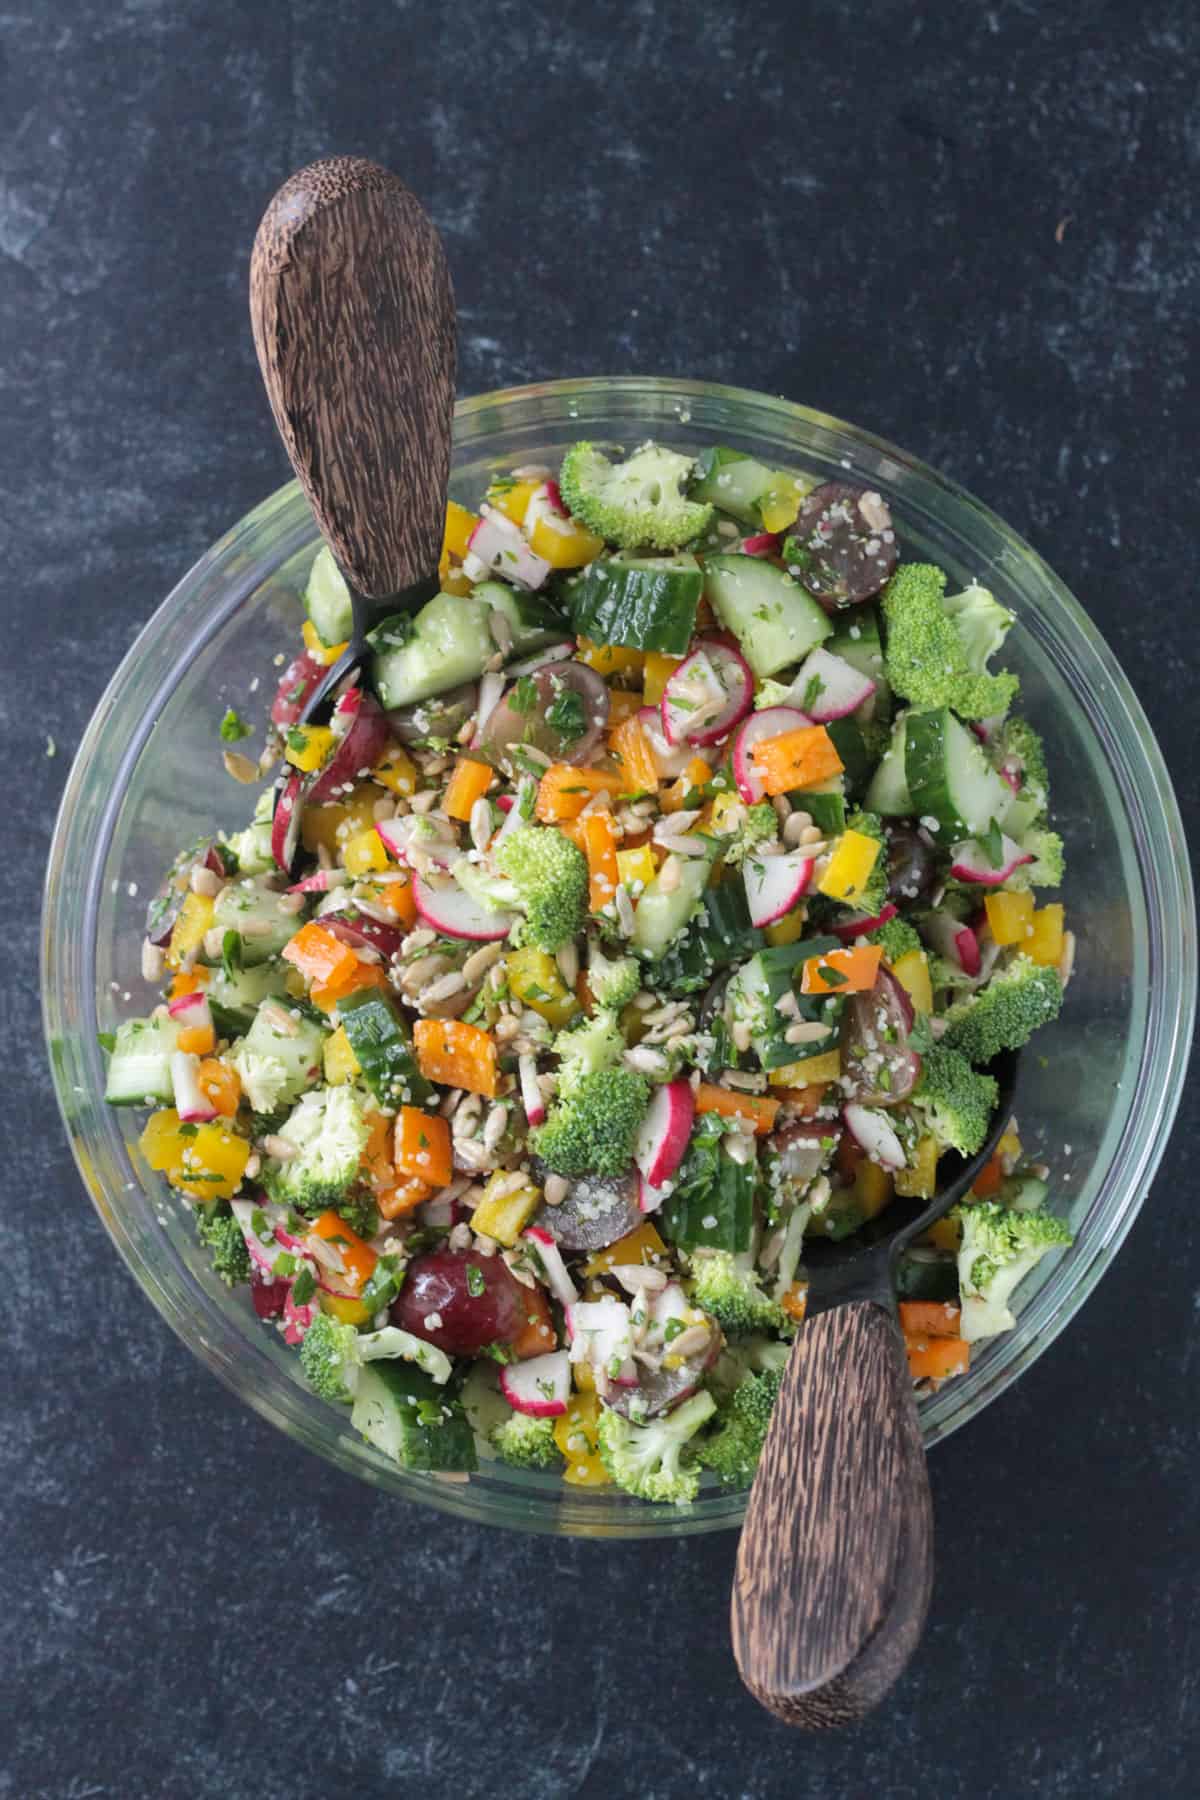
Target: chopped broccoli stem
[{"x": 999, "y": 1248}]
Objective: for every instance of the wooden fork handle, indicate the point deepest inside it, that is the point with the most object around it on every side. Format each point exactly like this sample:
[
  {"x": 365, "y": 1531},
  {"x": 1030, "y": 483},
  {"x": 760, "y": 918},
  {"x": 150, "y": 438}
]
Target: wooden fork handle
[
  {"x": 354, "y": 324},
  {"x": 835, "y": 1563}
]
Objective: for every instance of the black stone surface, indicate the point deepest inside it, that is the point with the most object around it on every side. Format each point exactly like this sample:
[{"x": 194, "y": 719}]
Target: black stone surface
[{"x": 972, "y": 227}]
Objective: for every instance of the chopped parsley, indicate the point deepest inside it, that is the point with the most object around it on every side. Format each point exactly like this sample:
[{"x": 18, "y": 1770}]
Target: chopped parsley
[{"x": 233, "y": 727}]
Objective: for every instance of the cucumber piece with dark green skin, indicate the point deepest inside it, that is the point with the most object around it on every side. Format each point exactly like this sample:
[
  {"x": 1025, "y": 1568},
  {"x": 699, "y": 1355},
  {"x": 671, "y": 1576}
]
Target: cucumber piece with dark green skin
[
  {"x": 927, "y": 1275},
  {"x": 771, "y": 616},
  {"x": 404, "y": 1413},
  {"x": 255, "y": 911},
  {"x": 139, "y": 1063},
  {"x": 235, "y": 995},
  {"x": 327, "y": 599},
  {"x": 380, "y": 1043},
  {"x": 888, "y": 791},
  {"x": 857, "y": 761},
  {"x": 534, "y": 623},
  {"x": 638, "y": 603},
  {"x": 448, "y": 642},
  {"x": 734, "y": 482},
  {"x": 757, "y": 988},
  {"x": 858, "y": 642},
  {"x": 721, "y": 1217},
  {"x": 949, "y": 777},
  {"x": 281, "y": 1031},
  {"x": 826, "y": 806}
]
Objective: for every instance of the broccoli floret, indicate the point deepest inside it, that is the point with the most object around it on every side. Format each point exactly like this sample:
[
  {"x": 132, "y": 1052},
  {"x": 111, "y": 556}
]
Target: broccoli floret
[
  {"x": 549, "y": 876},
  {"x": 329, "y": 1132},
  {"x": 728, "y": 1288},
  {"x": 999, "y": 1247},
  {"x": 956, "y": 1103},
  {"x": 896, "y": 938},
  {"x": 592, "y": 1130},
  {"x": 653, "y": 1461},
  {"x": 526, "y": 1442},
  {"x": 759, "y": 826},
  {"x": 1046, "y": 869},
  {"x": 332, "y": 1355},
  {"x": 221, "y": 1236},
  {"x": 733, "y": 1450},
  {"x": 586, "y": 1048},
  {"x": 932, "y": 655},
  {"x": 613, "y": 980},
  {"x": 1016, "y": 749},
  {"x": 874, "y": 895},
  {"x": 1004, "y": 1014},
  {"x": 638, "y": 504},
  {"x": 263, "y": 1077},
  {"x": 981, "y": 622}
]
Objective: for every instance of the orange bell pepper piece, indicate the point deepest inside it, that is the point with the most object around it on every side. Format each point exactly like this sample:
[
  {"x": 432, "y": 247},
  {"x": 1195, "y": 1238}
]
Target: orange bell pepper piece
[
  {"x": 318, "y": 954},
  {"x": 537, "y": 1335},
  {"x": 930, "y": 1318},
  {"x": 857, "y": 968},
  {"x": 403, "y": 1197},
  {"x": 600, "y": 848},
  {"x": 759, "y": 1109},
  {"x": 631, "y": 749},
  {"x": 456, "y": 1054},
  {"x": 188, "y": 981},
  {"x": 197, "y": 1040},
  {"x": 220, "y": 1084},
  {"x": 935, "y": 1359},
  {"x": 796, "y": 759},
  {"x": 460, "y": 523},
  {"x": 622, "y": 705},
  {"x": 563, "y": 792},
  {"x": 359, "y": 1258},
  {"x": 673, "y": 799},
  {"x": 795, "y": 1301},
  {"x": 469, "y": 782},
  {"x": 326, "y": 994},
  {"x": 398, "y": 897},
  {"x": 423, "y": 1146},
  {"x": 806, "y": 1101},
  {"x": 989, "y": 1178}
]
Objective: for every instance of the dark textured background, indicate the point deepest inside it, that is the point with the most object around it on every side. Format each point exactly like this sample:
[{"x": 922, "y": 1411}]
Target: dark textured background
[{"x": 854, "y": 205}]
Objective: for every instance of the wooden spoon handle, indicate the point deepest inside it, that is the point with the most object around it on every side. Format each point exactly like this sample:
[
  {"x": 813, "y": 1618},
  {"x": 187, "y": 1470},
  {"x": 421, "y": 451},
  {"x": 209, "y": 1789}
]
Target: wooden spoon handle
[
  {"x": 836, "y": 1559},
  {"x": 353, "y": 317}
]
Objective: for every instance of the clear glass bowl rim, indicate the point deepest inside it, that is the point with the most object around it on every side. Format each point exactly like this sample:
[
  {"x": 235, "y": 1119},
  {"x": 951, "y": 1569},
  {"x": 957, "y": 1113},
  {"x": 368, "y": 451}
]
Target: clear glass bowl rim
[{"x": 84, "y": 828}]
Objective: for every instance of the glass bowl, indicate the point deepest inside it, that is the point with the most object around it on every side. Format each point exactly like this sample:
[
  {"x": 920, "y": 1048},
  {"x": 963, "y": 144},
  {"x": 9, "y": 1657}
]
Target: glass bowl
[{"x": 1098, "y": 1093}]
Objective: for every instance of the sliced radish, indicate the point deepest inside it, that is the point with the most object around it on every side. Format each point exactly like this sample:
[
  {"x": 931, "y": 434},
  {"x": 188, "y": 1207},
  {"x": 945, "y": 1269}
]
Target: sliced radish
[
  {"x": 190, "y": 1103},
  {"x": 491, "y": 686},
  {"x": 553, "y": 494},
  {"x": 669, "y": 763},
  {"x": 804, "y": 1149},
  {"x": 192, "y": 1010},
  {"x": 601, "y": 1333},
  {"x": 707, "y": 695},
  {"x": 365, "y": 734},
  {"x": 320, "y": 883},
  {"x": 775, "y": 883},
  {"x": 551, "y": 1258},
  {"x": 362, "y": 932},
  {"x": 772, "y": 721},
  {"x": 532, "y": 1098},
  {"x": 650, "y": 1198},
  {"x": 540, "y": 1387},
  {"x": 517, "y": 813},
  {"x": 452, "y": 911},
  {"x": 264, "y": 1251},
  {"x": 441, "y": 1213},
  {"x": 767, "y": 543},
  {"x": 416, "y": 832},
  {"x": 874, "y": 1133},
  {"x": 666, "y": 1129},
  {"x": 966, "y": 946},
  {"x": 860, "y": 924},
  {"x": 498, "y": 544},
  {"x": 285, "y": 820},
  {"x": 969, "y": 861},
  {"x": 842, "y": 690},
  {"x": 669, "y": 1306}
]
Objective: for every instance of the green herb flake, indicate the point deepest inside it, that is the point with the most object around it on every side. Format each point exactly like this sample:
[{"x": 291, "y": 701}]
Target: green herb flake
[{"x": 233, "y": 727}]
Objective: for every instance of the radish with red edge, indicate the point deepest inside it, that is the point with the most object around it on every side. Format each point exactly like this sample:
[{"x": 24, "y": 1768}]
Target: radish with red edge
[
  {"x": 365, "y": 734},
  {"x": 650, "y": 1198},
  {"x": 192, "y": 1011},
  {"x": 540, "y": 1387},
  {"x": 413, "y": 831},
  {"x": 450, "y": 910},
  {"x": 320, "y": 883},
  {"x": 491, "y": 686},
  {"x": 190, "y": 1102},
  {"x": 601, "y": 1333},
  {"x": 361, "y": 932},
  {"x": 875, "y": 1134},
  {"x": 555, "y": 1269},
  {"x": 498, "y": 545},
  {"x": 663, "y": 1139},
  {"x": 297, "y": 1318},
  {"x": 774, "y": 884},
  {"x": 264, "y": 1251},
  {"x": 766, "y": 543},
  {"x": 669, "y": 763},
  {"x": 295, "y": 685},
  {"x": 709, "y": 693},
  {"x": 771, "y": 722},
  {"x": 440, "y": 1214},
  {"x": 531, "y": 1094},
  {"x": 285, "y": 820},
  {"x": 860, "y": 924},
  {"x": 969, "y": 861},
  {"x": 554, "y": 496},
  {"x": 830, "y": 687}
]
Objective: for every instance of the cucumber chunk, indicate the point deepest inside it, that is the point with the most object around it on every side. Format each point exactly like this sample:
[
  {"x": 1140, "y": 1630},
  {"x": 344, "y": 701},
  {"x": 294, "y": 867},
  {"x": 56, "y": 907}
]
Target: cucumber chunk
[
  {"x": 637, "y": 602},
  {"x": 825, "y": 805},
  {"x": 773, "y": 619},
  {"x": 236, "y": 995},
  {"x": 139, "y": 1064},
  {"x": 446, "y": 643},
  {"x": 252, "y": 909},
  {"x": 734, "y": 482},
  {"x": 534, "y": 622},
  {"x": 950, "y": 778},
  {"x": 380, "y": 1042},
  {"x": 660, "y": 917},
  {"x": 720, "y": 1216},
  {"x": 298, "y": 1048},
  {"x": 407, "y": 1416},
  {"x": 327, "y": 599},
  {"x": 888, "y": 793}
]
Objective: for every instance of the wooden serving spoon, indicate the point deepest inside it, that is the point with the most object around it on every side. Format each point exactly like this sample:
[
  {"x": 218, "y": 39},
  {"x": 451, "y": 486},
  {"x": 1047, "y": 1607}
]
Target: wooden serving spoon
[
  {"x": 835, "y": 1563},
  {"x": 354, "y": 324}
]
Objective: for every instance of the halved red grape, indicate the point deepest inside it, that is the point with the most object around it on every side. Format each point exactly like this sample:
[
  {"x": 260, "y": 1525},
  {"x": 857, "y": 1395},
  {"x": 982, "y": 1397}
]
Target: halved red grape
[
  {"x": 597, "y": 1210},
  {"x": 295, "y": 685},
  {"x": 842, "y": 546},
  {"x": 461, "y": 1301},
  {"x": 878, "y": 1068},
  {"x": 561, "y": 709}
]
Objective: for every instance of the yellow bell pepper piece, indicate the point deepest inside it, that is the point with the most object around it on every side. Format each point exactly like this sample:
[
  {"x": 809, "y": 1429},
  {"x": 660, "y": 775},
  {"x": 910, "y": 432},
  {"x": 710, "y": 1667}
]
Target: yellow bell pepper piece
[
  {"x": 512, "y": 498},
  {"x": 641, "y": 1245},
  {"x": 725, "y": 808},
  {"x": 850, "y": 866},
  {"x": 341, "y": 1064},
  {"x": 576, "y": 1432},
  {"x": 460, "y": 523},
  {"x": 809, "y": 1072},
  {"x": 325, "y": 653},
  {"x": 872, "y": 1188},
  {"x": 659, "y": 669},
  {"x": 1010, "y": 916},
  {"x": 944, "y": 1234},
  {"x": 920, "y": 1181},
  {"x": 505, "y": 1216},
  {"x": 610, "y": 659},
  {"x": 308, "y": 746},
  {"x": 637, "y": 865},
  {"x": 205, "y": 1161},
  {"x": 790, "y": 929},
  {"x": 1045, "y": 942},
  {"x": 781, "y": 502},
  {"x": 451, "y": 577},
  {"x": 565, "y": 547},
  {"x": 364, "y": 854},
  {"x": 329, "y": 826},
  {"x": 194, "y": 921},
  {"x": 535, "y": 980},
  {"x": 1009, "y": 1145},
  {"x": 585, "y": 1381},
  {"x": 345, "y": 1308},
  {"x": 397, "y": 772},
  {"x": 912, "y": 972}
]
